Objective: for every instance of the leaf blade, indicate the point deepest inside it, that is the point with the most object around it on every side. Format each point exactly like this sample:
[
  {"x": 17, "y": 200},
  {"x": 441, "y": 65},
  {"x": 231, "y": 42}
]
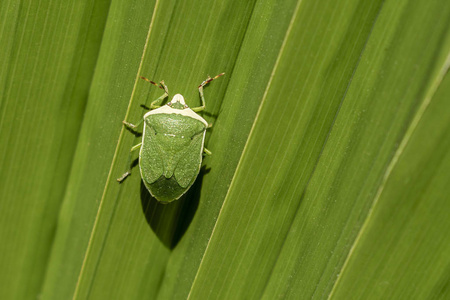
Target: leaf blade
[{"x": 45, "y": 75}]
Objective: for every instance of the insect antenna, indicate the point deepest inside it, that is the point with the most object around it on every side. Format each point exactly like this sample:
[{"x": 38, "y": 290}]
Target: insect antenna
[
  {"x": 152, "y": 82},
  {"x": 209, "y": 79}
]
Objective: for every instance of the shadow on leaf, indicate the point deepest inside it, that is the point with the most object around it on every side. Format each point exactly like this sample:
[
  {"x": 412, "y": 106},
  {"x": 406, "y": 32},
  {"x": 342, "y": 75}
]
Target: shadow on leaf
[{"x": 170, "y": 221}]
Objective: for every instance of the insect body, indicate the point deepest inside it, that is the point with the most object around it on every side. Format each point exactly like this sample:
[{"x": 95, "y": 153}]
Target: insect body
[{"x": 172, "y": 145}]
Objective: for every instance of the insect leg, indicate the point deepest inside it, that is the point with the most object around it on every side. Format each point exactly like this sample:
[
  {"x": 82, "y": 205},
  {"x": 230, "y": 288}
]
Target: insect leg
[
  {"x": 135, "y": 147},
  {"x": 122, "y": 178},
  {"x": 127, "y": 173},
  {"x": 202, "y": 96},
  {"x": 153, "y": 105},
  {"x": 157, "y": 103},
  {"x": 207, "y": 152},
  {"x": 132, "y": 126},
  {"x": 162, "y": 86}
]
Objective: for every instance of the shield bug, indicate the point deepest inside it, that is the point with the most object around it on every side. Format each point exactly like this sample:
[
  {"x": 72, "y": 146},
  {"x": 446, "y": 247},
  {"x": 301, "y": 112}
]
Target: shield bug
[{"x": 172, "y": 144}]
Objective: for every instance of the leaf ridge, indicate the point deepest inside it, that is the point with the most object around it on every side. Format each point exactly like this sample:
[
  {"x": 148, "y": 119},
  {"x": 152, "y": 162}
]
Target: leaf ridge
[
  {"x": 409, "y": 132},
  {"x": 88, "y": 249},
  {"x": 294, "y": 16}
]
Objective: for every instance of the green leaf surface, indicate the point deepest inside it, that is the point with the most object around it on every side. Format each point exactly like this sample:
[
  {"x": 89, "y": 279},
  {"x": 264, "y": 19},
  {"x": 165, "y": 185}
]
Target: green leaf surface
[
  {"x": 119, "y": 58},
  {"x": 402, "y": 254},
  {"x": 330, "y": 143},
  {"x": 246, "y": 89},
  {"x": 284, "y": 148},
  {"x": 47, "y": 56},
  {"x": 147, "y": 255},
  {"x": 388, "y": 93}
]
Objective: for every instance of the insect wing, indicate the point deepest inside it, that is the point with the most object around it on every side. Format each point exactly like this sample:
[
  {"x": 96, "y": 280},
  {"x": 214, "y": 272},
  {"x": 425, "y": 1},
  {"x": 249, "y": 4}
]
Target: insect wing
[
  {"x": 189, "y": 162},
  {"x": 171, "y": 154},
  {"x": 150, "y": 157}
]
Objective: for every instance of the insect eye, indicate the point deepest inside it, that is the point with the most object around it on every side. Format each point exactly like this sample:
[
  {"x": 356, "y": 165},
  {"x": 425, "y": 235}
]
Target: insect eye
[{"x": 186, "y": 106}]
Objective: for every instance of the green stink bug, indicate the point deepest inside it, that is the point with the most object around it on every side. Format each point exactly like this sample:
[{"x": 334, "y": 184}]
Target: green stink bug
[{"x": 172, "y": 145}]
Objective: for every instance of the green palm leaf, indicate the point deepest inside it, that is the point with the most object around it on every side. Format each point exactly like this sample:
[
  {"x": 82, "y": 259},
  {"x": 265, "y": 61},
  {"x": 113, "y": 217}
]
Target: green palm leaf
[{"x": 330, "y": 145}]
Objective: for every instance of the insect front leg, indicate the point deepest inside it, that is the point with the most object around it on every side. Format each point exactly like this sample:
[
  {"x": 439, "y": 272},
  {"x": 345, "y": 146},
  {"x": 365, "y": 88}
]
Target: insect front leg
[
  {"x": 157, "y": 103},
  {"x": 154, "y": 104},
  {"x": 127, "y": 173}
]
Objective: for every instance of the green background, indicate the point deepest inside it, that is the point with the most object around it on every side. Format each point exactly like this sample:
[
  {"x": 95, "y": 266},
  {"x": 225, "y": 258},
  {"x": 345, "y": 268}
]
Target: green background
[{"x": 330, "y": 173}]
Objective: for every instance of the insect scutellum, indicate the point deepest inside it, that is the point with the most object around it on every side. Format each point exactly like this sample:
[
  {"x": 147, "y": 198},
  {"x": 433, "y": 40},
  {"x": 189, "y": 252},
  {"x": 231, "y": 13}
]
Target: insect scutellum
[{"x": 172, "y": 144}]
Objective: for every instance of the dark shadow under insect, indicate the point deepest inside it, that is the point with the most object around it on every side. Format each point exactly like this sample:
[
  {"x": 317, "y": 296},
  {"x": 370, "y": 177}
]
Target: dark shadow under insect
[{"x": 170, "y": 222}]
